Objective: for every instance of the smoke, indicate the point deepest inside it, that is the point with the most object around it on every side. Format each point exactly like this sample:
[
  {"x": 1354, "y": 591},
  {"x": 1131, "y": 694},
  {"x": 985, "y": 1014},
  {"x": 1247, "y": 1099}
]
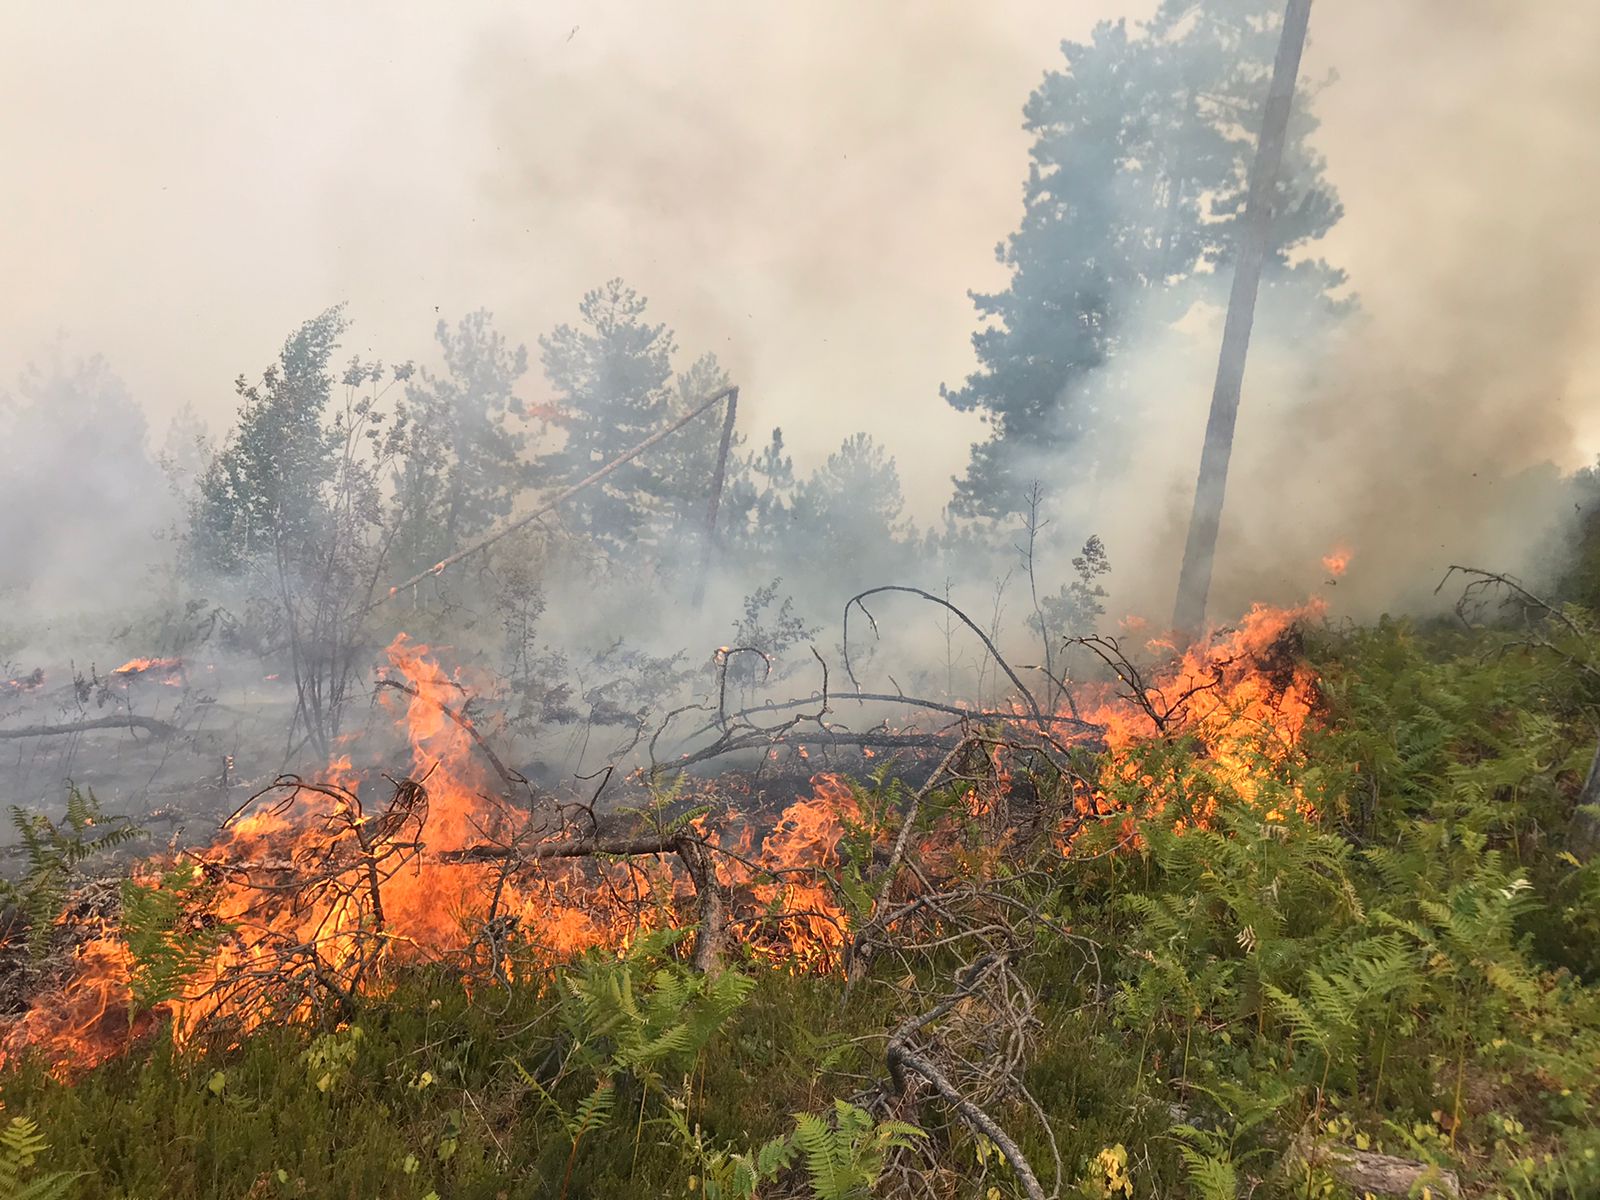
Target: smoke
[
  {"x": 808, "y": 191},
  {"x": 1435, "y": 425}
]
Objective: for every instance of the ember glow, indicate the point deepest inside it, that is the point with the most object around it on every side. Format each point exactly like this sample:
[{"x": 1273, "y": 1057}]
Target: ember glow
[
  {"x": 168, "y": 670},
  {"x": 1336, "y": 562}
]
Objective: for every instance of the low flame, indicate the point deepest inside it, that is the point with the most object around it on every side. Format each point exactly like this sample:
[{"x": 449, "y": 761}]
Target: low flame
[
  {"x": 317, "y": 890},
  {"x": 135, "y": 668}
]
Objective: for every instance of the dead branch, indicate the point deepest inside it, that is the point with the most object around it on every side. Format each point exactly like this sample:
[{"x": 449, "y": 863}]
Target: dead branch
[
  {"x": 902, "y": 1059},
  {"x": 150, "y": 725},
  {"x": 589, "y": 847},
  {"x": 982, "y": 716},
  {"x": 1136, "y": 689},
  {"x": 512, "y": 779},
  {"x": 859, "y": 949},
  {"x": 874, "y": 739},
  {"x": 857, "y": 601}
]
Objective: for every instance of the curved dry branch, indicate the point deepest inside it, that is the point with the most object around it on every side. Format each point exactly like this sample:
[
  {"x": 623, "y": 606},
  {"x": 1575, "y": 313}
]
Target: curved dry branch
[
  {"x": 857, "y": 601},
  {"x": 512, "y": 779}
]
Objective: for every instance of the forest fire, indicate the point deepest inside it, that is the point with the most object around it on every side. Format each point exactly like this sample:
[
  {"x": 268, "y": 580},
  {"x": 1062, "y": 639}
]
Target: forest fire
[
  {"x": 317, "y": 890},
  {"x": 166, "y": 669},
  {"x": 30, "y": 682},
  {"x": 1243, "y": 698}
]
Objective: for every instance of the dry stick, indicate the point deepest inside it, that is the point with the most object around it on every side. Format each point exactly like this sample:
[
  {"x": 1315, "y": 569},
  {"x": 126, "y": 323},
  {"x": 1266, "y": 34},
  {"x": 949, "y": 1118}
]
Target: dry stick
[
  {"x": 149, "y": 724},
  {"x": 711, "y": 895},
  {"x": 988, "y": 643},
  {"x": 900, "y": 698},
  {"x": 860, "y": 944},
  {"x": 902, "y": 1059},
  {"x": 761, "y": 739},
  {"x": 730, "y": 394},
  {"x": 595, "y": 847}
]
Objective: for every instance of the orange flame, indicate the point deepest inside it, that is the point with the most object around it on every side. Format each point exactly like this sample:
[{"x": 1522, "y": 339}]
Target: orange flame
[
  {"x": 324, "y": 891},
  {"x": 138, "y": 666},
  {"x": 327, "y": 890}
]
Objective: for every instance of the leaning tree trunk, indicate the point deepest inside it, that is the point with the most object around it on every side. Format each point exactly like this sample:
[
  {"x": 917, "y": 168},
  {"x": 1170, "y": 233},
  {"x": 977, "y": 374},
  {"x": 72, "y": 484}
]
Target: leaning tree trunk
[
  {"x": 1585, "y": 836},
  {"x": 1194, "y": 581}
]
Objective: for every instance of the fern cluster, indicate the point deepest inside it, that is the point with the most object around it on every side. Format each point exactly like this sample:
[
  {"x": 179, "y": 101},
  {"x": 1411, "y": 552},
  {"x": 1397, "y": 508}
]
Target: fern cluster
[
  {"x": 21, "y": 1144},
  {"x": 54, "y": 855}
]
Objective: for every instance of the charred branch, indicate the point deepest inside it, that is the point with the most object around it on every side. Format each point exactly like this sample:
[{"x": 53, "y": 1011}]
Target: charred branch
[
  {"x": 150, "y": 725},
  {"x": 514, "y": 780}
]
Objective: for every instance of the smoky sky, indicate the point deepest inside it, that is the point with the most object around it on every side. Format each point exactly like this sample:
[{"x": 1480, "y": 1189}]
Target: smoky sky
[{"x": 806, "y": 190}]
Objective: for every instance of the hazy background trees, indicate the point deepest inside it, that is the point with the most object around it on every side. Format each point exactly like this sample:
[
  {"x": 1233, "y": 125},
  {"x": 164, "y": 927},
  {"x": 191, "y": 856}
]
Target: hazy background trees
[
  {"x": 1141, "y": 149},
  {"x": 81, "y": 497}
]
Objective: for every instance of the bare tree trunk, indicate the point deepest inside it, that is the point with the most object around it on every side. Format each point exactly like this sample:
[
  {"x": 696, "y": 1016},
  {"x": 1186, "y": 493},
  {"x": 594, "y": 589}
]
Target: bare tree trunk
[
  {"x": 1585, "y": 836},
  {"x": 718, "y": 478},
  {"x": 1194, "y": 582}
]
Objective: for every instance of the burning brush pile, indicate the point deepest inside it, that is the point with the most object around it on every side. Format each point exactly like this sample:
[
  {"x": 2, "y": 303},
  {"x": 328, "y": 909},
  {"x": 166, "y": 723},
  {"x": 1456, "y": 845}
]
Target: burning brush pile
[{"x": 320, "y": 891}]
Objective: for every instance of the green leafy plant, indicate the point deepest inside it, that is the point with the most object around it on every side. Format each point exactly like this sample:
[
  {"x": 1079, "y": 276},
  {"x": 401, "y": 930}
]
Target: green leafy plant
[
  {"x": 169, "y": 942},
  {"x": 21, "y": 1144},
  {"x": 331, "y": 1057},
  {"x": 54, "y": 853},
  {"x": 643, "y": 1014},
  {"x": 844, "y": 1156}
]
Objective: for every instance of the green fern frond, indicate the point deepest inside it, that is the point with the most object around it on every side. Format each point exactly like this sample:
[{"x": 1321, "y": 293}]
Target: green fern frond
[{"x": 21, "y": 1144}]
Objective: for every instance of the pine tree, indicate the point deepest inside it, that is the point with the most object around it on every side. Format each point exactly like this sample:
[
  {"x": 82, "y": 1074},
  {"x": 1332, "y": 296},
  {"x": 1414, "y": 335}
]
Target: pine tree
[
  {"x": 463, "y": 464},
  {"x": 684, "y": 465},
  {"x": 612, "y": 377},
  {"x": 265, "y": 490},
  {"x": 845, "y": 520},
  {"x": 1141, "y": 150},
  {"x": 756, "y": 506}
]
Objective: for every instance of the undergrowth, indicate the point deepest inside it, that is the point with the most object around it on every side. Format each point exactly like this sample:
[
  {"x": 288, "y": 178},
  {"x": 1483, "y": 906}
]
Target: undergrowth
[{"x": 1391, "y": 944}]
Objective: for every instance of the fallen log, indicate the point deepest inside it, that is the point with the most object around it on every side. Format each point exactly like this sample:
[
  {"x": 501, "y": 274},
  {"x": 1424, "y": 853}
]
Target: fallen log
[
  {"x": 1368, "y": 1172},
  {"x": 976, "y": 715},
  {"x": 149, "y": 724}
]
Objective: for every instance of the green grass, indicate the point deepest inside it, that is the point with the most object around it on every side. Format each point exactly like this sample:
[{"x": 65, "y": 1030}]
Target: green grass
[{"x": 1413, "y": 969}]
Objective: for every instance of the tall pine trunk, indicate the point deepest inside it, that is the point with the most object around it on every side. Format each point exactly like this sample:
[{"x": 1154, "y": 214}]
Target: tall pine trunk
[{"x": 1194, "y": 581}]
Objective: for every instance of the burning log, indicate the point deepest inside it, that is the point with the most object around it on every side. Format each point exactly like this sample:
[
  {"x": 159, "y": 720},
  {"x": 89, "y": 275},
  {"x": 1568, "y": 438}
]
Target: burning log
[
  {"x": 135, "y": 667},
  {"x": 24, "y": 683}
]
